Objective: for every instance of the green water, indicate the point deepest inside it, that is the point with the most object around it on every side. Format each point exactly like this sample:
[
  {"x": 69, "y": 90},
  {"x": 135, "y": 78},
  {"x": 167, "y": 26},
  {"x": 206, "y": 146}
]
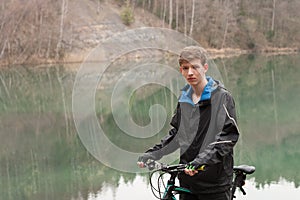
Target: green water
[{"x": 42, "y": 157}]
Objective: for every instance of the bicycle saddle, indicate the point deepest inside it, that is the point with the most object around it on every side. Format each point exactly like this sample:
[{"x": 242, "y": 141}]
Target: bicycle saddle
[{"x": 244, "y": 168}]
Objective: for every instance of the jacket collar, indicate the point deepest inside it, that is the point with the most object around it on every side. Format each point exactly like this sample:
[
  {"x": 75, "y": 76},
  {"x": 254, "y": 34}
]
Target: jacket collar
[{"x": 186, "y": 95}]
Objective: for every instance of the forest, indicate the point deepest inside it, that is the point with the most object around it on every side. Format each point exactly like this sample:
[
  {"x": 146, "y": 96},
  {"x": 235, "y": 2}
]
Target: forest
[{"x": 53, "y": 30}]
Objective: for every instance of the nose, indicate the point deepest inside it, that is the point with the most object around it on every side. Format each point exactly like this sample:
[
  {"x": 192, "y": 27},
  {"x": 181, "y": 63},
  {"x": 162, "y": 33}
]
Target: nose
[{"x": 190, "y": 72}]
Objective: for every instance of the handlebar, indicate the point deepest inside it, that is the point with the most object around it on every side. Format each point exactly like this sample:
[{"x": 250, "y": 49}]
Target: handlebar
[
  {"x": 157, "y": 166},
  {"x": 152, "y": 164}
]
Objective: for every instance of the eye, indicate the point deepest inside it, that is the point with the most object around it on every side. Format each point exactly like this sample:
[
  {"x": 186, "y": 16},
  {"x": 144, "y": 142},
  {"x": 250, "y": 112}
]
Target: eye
[
  {"x": 196, "y": 66},
  {"x": 185, "y": 68}
]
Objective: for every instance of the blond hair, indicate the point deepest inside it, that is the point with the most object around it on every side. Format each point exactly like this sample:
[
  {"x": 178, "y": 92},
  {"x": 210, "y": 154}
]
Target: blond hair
[{"x": 193, "y": 52}]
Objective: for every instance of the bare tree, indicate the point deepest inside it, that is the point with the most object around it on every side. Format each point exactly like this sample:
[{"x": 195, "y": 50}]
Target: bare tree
[
  {"x": 185, "y": 18},
  {"x": 192, "y": 18},
  {"x": 154, "y": 8},
  {"x": 149, "y": 4},
  {"x": 48, "y": 50},
  {"x": 227, "y": 11},
  {"x": 273, "y": 15},
  {"x": 164, "y": 12},
  {"x": 64, "y": 9},
  {"x": 98, "y": 6},
  {"x": 170, "y": 13},
  {"x": 177, "y": 13}
]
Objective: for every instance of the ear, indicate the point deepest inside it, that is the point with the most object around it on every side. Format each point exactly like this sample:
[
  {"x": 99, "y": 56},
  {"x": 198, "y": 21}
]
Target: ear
[
  {"x": 205, "y": 66},
  {"x": 180, "y": 69}
]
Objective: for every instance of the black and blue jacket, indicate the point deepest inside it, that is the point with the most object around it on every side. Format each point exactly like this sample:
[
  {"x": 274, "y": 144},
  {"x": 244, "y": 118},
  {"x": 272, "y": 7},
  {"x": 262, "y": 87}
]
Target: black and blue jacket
[{"x": 206, "y": 131}]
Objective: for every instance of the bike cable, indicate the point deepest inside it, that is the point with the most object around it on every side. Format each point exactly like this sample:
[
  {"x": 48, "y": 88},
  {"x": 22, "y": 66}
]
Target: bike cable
[{"x": 153, "y": 189}]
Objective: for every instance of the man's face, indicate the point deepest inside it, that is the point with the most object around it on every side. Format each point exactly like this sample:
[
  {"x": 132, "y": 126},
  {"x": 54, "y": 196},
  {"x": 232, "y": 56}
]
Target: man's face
[{"x": 193, "y": 71}]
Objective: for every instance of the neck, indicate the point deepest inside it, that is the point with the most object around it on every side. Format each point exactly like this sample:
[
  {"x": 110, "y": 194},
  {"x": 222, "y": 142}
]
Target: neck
[{"x": 198, "y": 89}]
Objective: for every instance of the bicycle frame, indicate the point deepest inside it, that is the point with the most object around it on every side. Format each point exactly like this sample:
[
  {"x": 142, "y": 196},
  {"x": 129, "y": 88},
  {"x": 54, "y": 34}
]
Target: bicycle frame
[{"x": 171, "y": 187}]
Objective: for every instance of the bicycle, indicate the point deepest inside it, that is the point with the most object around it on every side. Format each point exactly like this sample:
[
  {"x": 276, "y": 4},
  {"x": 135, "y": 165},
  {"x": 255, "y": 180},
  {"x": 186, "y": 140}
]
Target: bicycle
[{"x": 170, "y": 190}]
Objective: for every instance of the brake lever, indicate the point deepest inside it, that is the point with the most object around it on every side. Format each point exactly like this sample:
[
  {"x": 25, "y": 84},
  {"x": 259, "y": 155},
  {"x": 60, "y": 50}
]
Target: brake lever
[{"x": 152, "y": 164}]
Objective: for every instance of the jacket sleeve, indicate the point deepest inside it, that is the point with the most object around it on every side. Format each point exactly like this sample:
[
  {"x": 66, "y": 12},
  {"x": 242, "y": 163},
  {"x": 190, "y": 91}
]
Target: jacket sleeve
[
  {"x": 169, "y": 143},
  {"x": 224, "y": 140}
]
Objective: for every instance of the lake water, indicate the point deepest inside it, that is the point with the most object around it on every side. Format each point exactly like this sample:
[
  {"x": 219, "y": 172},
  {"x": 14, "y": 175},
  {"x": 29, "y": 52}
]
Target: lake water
[{"x": 42, "y": 156}]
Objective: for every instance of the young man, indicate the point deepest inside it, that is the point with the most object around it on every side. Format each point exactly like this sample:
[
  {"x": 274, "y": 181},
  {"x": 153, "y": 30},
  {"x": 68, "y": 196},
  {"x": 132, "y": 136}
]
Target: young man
[{"x": 205, "y": 130}]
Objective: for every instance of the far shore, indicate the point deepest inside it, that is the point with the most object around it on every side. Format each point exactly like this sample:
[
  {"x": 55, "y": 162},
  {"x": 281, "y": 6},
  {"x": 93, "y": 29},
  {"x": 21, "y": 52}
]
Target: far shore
[
  {"x": 230, "y": 52},
  {"x": 78, "y": 58}
]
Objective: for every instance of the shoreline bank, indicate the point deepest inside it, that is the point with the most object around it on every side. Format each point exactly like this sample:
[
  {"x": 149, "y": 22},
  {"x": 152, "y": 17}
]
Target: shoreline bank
[{"x": 213, "y": 53}]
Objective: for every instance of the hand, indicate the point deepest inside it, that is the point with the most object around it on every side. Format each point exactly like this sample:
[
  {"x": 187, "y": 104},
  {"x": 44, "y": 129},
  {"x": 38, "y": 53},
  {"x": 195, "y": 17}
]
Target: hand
[
  {"x": 141, "y": 164},
  {"x": 190, "y": 170},
  {"x": 144, "y": 159},
  {"x": 193, "y": 168}
]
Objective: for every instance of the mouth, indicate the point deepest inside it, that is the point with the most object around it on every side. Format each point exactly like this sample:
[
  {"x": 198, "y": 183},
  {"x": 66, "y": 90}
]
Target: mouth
[{"x": 191, "y": 79}]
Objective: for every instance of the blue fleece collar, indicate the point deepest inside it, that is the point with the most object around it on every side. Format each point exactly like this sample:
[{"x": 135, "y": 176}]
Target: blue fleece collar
[{"x": 186, "y": 95}]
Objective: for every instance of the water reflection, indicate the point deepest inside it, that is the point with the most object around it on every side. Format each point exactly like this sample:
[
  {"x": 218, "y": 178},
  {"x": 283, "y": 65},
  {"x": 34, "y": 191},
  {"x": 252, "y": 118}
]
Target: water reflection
[
  {"x": 41, "y": 156},
  {"x": 267, "y": 96}
]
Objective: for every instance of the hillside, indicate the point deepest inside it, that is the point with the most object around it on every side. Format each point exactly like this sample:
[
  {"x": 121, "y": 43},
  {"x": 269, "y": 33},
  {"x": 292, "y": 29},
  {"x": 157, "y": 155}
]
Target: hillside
[
  {"x": 38, "y": 31},
  {"x": 93, "y": 26}
]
